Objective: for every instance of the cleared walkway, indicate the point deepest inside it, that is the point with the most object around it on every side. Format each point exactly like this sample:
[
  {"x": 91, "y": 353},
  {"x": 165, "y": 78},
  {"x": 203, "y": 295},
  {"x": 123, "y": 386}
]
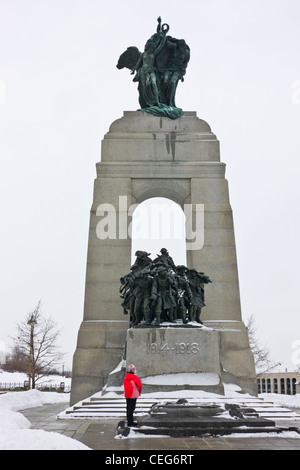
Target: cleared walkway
[{"x": 99, "y": 434}]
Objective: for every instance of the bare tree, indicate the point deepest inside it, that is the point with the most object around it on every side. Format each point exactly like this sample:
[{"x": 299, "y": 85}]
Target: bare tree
[
  {"x": 37, "y": 339},
  {"x": 262, "y": 358}
]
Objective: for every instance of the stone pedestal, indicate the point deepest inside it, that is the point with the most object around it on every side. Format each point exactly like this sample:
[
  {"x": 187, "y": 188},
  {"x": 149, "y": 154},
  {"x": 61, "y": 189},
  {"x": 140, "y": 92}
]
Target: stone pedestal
[
  {"x": 170, "y": 359},
  {"x": 145, "y": 156}
]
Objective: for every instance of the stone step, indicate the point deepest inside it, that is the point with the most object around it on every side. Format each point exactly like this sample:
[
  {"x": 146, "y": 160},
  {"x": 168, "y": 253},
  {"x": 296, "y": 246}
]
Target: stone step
[
  {"x": 101, "y": 407},
  {"x": 207, "y": 431}
]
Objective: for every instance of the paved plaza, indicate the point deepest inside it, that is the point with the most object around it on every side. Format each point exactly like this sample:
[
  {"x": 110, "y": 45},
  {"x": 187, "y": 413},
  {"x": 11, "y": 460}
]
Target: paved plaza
[{"x": 99, "y": 434}]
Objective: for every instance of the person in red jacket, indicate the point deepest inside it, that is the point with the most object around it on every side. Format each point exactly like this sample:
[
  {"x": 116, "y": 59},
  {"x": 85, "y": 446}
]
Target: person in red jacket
[{"x": 132, "y": 389}]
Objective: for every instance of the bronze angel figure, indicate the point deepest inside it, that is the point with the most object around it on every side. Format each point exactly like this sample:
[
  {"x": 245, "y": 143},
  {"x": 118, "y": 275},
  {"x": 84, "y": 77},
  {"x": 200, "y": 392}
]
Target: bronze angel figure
[{"x": 158, "y": 70}]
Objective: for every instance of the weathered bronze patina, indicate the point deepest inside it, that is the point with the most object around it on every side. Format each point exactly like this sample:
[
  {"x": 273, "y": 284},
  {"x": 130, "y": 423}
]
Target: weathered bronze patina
[
  {"x": 158, "y": 70},
  {"x": 158, "y": 291}
]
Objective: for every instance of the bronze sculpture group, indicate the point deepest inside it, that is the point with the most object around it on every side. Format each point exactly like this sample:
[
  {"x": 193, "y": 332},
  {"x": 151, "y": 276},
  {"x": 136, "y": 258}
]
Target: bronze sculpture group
[
  {"x": 157, "y": 291},
  {"x": 158, "y": 70}
]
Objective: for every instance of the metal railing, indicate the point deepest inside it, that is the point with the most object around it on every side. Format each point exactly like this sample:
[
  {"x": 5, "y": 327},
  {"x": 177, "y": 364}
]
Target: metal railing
[{"x": 43, "y": 387}]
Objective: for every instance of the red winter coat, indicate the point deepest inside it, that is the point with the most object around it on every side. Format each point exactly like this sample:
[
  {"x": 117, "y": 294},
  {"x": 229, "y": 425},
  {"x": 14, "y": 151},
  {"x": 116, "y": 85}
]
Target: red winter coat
[{"x": 132, "y": 386}]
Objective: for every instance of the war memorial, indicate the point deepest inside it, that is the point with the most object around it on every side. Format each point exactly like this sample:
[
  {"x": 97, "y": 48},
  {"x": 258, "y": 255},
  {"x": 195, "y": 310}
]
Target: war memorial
[{"x": 180, "y": 325}]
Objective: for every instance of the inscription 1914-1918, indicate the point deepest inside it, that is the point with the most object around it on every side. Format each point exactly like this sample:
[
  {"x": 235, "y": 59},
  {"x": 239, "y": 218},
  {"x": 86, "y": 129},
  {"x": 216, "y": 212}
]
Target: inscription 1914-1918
[{"x": 177, "y": 348}]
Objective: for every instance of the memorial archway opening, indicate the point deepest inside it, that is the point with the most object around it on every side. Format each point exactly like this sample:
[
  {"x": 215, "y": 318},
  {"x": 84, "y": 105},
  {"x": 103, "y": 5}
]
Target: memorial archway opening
[{"x": 159, "y": 223}]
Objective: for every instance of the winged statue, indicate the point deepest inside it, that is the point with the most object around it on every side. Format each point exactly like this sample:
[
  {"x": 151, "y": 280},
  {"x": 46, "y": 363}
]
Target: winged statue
[{"x": 158, "y": 70}]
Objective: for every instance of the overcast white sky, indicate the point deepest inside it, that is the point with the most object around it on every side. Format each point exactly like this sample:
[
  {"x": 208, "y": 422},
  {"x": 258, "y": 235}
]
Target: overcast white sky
[{"x": 59, "y": 92}]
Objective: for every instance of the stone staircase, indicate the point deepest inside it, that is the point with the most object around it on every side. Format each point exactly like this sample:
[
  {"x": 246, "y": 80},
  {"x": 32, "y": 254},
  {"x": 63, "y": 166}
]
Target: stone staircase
[{"x": 99, "y": 407}]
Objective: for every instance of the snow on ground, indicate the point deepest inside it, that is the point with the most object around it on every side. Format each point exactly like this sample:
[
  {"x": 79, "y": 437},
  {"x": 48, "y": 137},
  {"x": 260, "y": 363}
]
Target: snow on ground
[
  {"x": 289, "y": 401},
  {"x": 14, "y": 427},
  {"x": 20, "y": 377}
]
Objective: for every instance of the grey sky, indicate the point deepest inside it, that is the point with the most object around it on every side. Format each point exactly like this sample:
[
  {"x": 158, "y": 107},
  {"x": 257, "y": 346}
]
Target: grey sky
[{"x": 60, "y": 91}]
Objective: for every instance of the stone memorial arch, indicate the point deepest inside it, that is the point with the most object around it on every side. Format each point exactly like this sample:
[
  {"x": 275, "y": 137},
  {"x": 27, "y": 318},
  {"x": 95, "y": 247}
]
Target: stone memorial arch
[{"x": 143, "y": 156}]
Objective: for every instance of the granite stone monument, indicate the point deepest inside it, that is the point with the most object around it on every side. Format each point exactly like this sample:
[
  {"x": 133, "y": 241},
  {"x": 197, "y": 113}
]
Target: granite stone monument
[{"x": 148, "y": 153}]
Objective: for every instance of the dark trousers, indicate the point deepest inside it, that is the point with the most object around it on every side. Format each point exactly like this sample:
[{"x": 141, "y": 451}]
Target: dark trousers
[{"x": 130, "y": 402}]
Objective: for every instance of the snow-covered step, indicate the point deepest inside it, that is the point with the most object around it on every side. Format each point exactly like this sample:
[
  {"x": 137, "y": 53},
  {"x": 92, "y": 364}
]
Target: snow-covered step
[{"x": 101, "y": 407}]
